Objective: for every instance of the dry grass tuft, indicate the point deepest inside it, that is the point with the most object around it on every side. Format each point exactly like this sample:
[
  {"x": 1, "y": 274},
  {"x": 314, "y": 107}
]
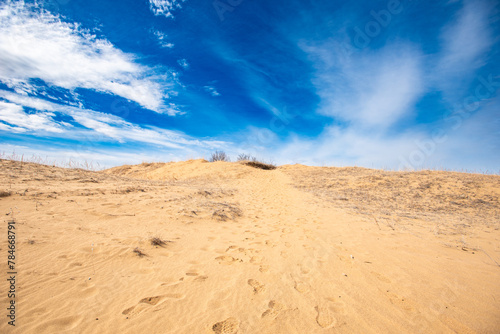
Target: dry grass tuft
[
  {"x": 226, "y": 212},
  {"x": 155, "y": 241},
  {"x": 139, "y": 252},
  {"x": 5, "y": 193}
]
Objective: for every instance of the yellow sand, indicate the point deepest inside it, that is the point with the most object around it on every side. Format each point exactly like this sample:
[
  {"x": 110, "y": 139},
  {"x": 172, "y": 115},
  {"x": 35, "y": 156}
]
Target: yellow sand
[{"x": 292, "y": 250}]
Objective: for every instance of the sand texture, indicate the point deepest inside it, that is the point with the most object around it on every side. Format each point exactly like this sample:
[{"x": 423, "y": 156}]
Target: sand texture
[{"x": 197, "y": 247}]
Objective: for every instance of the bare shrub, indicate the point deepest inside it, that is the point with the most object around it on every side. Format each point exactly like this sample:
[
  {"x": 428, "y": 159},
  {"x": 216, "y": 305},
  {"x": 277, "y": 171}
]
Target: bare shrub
[
  {"x": 246, "y": 157},
  {"x": 219, "y": 156}
]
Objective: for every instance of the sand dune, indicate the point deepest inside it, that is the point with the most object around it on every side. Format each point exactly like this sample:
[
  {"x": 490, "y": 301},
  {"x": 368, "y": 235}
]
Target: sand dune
[{"x": 241, "y": 250}]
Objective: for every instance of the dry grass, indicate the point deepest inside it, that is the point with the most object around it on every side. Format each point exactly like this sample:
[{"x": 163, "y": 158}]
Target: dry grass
[
  {"x": 139, "y": 252},
  {"x": 395, "y": 197},
  {"x": 252, "y": 161},
  {"x": 260, "y": 165},
  {"x": 5, "y": 193},
  {"x": 226, "y": 212},
  {"x": 73, "y": 164},
  {"x": 159, "y": 242}
]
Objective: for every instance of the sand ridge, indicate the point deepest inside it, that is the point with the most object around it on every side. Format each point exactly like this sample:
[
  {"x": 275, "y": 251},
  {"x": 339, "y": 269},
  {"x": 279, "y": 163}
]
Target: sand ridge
[{"x": 252, "y": 251}]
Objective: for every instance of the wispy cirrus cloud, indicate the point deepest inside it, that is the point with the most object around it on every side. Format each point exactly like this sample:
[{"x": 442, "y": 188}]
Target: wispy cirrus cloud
[
  {"x": 465, "y": 42},
  {"x": 38, "y": 45},
  {"x": 369, "y": 88}
]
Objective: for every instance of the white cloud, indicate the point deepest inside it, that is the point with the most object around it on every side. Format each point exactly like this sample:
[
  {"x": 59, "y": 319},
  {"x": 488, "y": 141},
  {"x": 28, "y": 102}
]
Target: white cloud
[
  {"x": 20, "y": 121},
  {"x": 162, "y": 39},
  {"x": 465, "y": 42},
  {"x": 40, "y": 45},
  {"x": 466, "y": 38},
  {"x": 99, "y": 126},
  {"x": 183, "y": 63},
  {"x": 211, "y": 90},
  {"x": 368, "y": 89},
  {"x": 165, "y": 7}
]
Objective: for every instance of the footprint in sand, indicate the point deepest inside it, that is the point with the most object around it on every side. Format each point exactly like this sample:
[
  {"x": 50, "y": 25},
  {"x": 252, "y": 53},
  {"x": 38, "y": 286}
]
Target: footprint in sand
[
  {"x": 228, "y": 326},
  {"x": 304, "y": 270},
  {"x": 147, "y": 302},
  {"x": 274, "y": 310},
  {"x": 270, "y": 243},
  {"x": 264, "y": 268},
  {"x": 324, "y": 318},
  {"x": 202, "y": 278},
  {"x": 257, "y": 287},
  {"x": 400, "y": 302},
  {"x": 381, "y": 277},
  {"x": 337, "y": 306},
  {"x": 256, "y": 259},
  {"x": 301, "y": 286},
  {"x": 226, "y": 260}
]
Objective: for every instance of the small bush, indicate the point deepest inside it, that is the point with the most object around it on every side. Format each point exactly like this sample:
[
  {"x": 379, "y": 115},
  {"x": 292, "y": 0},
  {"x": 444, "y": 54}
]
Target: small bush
[{"x": 219, "y": 156}]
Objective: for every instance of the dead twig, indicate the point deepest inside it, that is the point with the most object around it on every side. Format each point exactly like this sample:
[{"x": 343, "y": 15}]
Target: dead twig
[{"x": 376, "y": 222}]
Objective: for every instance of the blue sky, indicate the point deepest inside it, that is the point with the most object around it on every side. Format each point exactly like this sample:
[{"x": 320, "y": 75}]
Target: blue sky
[{"x": 384, "y": 84}]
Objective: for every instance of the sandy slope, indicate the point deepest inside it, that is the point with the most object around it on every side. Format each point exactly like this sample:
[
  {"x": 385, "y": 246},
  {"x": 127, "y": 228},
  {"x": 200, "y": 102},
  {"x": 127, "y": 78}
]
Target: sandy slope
[{"x": 293, "y": 250}]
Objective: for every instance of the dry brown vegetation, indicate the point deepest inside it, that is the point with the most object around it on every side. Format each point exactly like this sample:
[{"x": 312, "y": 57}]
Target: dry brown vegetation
[
  {"x": 155, "y": 241},
  {"x": 139, "y": 252},
  {"x": 5, "y": 193},
  {"x": 260, "y": 165},
  {"x": 452, "y": 202}
]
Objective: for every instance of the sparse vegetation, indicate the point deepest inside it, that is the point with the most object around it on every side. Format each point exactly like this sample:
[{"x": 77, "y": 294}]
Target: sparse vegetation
[
  {"x": 226, "y": 212},
  {"x": 5, "y": 193},
  {"x": 398, "y": 199},
  {"x": 247, "y": 159},
  {"x": 219, "y": 156},
  {"x": 72, "y": 164},
  {"x": 139, "y": 252},
  {"x": 261, "y": 165},
  {"x": 155, "y": 241}
]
